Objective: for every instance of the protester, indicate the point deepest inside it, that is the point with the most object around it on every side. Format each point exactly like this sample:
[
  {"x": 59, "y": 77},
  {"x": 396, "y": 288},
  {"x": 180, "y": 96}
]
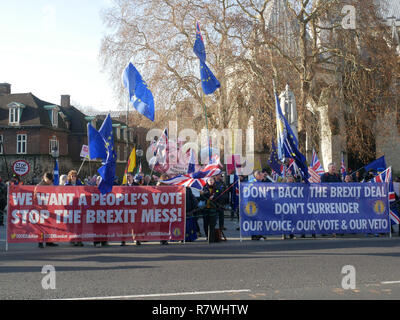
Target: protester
[
  {"x": 102, "y": 243},
  {"x": 47, "y": 180},
  {"x": 131, "y": 180},
  {"x": 348, "y": 178},
  {"x": 72, "y": 180},
  {"x": 160, "y": 183},
  {"x": 209, "y": 213},
  {"x": 220, "y": 199},
  {"x": 331, "y": 177},
  {"x": 147, "y": 180},
  {"x": 63, "y": 180},
  {"x": 191, "y": 210},
  {"x": 289, "y": 179},
  {"x": 15, "y": 180}
]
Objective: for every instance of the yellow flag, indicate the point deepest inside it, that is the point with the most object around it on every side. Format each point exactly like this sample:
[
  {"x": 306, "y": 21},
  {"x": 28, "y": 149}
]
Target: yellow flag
[{"x": 130, "y": 165}]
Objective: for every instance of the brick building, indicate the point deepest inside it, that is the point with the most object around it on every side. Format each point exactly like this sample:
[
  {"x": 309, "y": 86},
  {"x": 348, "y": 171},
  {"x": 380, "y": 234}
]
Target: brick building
[{"x": 35, "y": 131}]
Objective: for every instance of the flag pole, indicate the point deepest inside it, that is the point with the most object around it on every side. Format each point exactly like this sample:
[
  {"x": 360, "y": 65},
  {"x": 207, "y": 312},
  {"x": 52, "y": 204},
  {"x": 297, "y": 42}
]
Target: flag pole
[
  {"x": 283, "y": 159},
  {"x": 84, "y": 159},
  {"x": 206, "y": 118}
]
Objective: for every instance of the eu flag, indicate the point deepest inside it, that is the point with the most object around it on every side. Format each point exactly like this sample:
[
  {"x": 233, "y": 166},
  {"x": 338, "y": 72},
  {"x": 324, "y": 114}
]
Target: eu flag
[
  {"x": 97, "y": 148},
  {"x": 287, "y": 142},
  {"x": 209, "y": 82},
  {"x": 139, "y": 94},
  {"x": 273, "y": 161},
  {"x": 376, "y": 164},
  {"x": 107, "y": 171},
  {"x": 101, "y": 146}
]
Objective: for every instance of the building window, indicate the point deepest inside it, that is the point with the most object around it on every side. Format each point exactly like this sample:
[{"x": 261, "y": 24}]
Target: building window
[
  {"x": 21, "y": 143},
  {"x": 53, "y": 115},
  {"x": 54, "y": 118},
  {"x": 15, "y": 114},
  {"x": 118, "y": 153},
  {"x": 53, "y": 145},
  {"x": 1, "y": 144}
]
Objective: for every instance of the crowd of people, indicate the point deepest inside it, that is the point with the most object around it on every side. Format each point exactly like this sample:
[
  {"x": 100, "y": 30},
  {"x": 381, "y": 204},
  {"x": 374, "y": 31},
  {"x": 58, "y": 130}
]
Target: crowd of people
[{"x": 218, "y": 195}]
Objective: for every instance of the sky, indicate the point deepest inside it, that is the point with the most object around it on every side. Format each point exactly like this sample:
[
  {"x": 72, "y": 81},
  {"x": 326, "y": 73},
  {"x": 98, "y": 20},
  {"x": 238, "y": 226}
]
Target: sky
[{"x": 51, "y": 48}]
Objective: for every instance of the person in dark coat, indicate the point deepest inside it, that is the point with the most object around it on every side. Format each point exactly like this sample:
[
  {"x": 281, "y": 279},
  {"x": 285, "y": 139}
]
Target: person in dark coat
[{"x": 331, "y": 175}]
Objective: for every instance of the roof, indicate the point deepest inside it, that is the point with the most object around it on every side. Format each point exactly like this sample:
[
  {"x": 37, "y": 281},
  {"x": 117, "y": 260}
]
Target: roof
[{"x": 34, "y": 113}]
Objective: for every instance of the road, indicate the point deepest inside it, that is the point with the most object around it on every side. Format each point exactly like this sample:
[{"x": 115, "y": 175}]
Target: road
[{"x": 233, "y": 270}]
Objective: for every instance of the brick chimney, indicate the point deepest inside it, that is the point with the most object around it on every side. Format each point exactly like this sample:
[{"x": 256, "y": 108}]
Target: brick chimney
[
  {"x": 65, "y": 101},
  {"x": 5, "y": 88}
]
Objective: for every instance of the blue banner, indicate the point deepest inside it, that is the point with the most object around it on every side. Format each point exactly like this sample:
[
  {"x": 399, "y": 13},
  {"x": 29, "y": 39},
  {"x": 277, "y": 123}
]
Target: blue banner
[{"x": 296, "y": 208}]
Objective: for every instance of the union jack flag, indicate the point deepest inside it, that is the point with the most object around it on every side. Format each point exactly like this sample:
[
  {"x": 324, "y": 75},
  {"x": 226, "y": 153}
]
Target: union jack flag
[
  {"x": 316, "y": 170},
  {"x": 314, "y": 176},
  {"x": 386, "y": 176},
  {"x": 292, "y": 168},
  {"x": 197, "y": 180}
]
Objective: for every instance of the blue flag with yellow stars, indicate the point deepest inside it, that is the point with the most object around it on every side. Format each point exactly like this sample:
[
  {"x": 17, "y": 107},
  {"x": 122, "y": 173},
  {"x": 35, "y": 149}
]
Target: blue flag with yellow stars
[
  {"x": 209, "y": 82},
  {"x": 97, "y": 149},
  {"x": 287, "y": 142},
  {"x": 107, "y": 171},
  {"x": 273, "y": 161},
  {"x": 139, "y": 94}
]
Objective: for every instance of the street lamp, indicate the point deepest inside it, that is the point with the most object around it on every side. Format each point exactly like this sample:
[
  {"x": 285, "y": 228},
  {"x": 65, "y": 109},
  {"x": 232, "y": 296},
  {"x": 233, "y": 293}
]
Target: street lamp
[{"x": 54, "y": 152}]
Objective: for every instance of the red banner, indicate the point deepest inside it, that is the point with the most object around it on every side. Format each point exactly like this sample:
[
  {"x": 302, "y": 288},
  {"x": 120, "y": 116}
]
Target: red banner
[{"x": 66, "y": 213}]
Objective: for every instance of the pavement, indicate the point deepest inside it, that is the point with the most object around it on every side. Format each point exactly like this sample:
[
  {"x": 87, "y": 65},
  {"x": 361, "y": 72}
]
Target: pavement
[{"x": 231, "y": 232}]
